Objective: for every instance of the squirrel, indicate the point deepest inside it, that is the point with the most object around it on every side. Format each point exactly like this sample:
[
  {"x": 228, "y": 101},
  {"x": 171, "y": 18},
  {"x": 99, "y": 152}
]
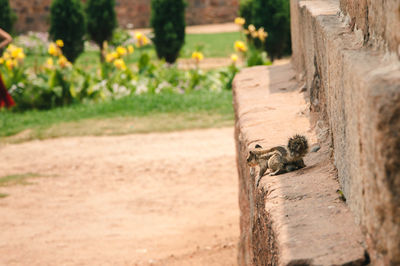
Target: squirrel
[{"x": 279, "y": 159}]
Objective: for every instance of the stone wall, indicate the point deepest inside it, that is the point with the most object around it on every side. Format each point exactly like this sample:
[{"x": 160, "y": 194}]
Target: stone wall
[
  {"x": 347, "y": 52},
  {"x": 297, "y": 218},
  {"x": 34, "y": 15},
  {"x": 378, "y": 20}
]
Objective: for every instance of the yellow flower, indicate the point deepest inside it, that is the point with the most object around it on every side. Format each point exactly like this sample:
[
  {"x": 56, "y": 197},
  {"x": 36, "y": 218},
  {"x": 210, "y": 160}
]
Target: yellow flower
[
  {"x": 60, "y": 43},
  {"x": 120, "y": 64},
  {"x": 121, "y": 50},
  {"x": 15, "y": 52},
  {"x": 6, "y": 56},
  {"x": 240, "y": 46},
  {"x": 115, "y": 55},
  {"x": 1, "y": 60},
  {"x": 49, "y": 62},
  {"x": 262, "y": 35},
  {"x": 54, "y": 50},
  {"x": 138, "y": 35},
  {"x": 145, "y": 41},
  {"x": 240, "y": 21},
  {"x": 11, "y": 48},
  {"x": 10, "y": 64},
  {"x": 251, "y": 28},
  {"x": 109, "y": 57},
  {"x": 234, "y": 58},
  {"x": 63, "y": 62},
  {"x": 198, "y": 56},
  {"x": 20, "y": 55},
  {"x": 141, "y": 39},
  {"x": 130, "y": 49}
]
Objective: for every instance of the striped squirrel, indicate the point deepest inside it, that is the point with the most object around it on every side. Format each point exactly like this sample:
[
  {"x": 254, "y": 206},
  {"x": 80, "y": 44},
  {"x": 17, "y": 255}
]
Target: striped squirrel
[{"x": 279, "y": 159}]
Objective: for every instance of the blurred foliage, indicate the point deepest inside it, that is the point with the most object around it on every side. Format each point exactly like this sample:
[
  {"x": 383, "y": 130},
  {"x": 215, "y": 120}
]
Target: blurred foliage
[
  {"x": 168, "y": 22},
  {"x": 67, "y": 23},
  {"x": 120, "y": 37},
  {"x": 7, "y": 16},
  {"x": 57, "y": 82},
  {"x": 245, "y": 11},
  {"x": 101, "y": 20},
  {"x": 274, "y": 17}
]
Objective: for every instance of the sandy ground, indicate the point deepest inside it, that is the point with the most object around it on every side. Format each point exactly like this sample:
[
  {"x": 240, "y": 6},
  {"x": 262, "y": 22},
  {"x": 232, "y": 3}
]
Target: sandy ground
[
  {"x": 152, "y": 199},
  {"x": 207, "y": 63},
  {"x": 200, "y": 29}
]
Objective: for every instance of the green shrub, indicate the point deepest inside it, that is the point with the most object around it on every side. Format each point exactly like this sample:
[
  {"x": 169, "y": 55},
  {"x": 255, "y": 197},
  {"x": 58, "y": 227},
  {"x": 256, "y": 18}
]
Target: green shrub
[
  {"x": 101, "y": 20},
  {"x": 67, "y": 23},
  {"x": 245, "y": 10},
  {"x": 120, "y": 37},
  {"x": 7, "y": 16},
  {"x": 274, "y": 16},
  {"x": 168, "y": 23}
]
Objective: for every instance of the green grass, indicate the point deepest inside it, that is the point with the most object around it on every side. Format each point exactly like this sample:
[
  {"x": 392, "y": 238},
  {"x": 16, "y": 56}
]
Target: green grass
[
  {"x": 134, "y": 114},
  {"x": 91, "y": 58},
  {"x": 214, "y": 45},
  {"x": 87, "y": 60},
  {"x": 20, "y": 179}
]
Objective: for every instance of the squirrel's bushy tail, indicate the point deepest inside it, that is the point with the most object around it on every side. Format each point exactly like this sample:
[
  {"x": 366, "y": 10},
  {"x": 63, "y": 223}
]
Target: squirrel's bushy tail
[{"x": 298, "y": 143}]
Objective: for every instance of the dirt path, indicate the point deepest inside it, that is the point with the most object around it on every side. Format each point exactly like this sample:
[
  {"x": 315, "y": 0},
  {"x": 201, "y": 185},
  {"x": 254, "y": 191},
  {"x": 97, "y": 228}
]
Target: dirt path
[
  {"x": 201, "y": 29},
  {"x": 162, "y": 199}
]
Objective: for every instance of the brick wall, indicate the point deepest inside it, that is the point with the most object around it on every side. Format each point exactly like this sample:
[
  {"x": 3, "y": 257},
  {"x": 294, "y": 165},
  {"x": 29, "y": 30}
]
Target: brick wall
[{"x": 34, "y": 14}]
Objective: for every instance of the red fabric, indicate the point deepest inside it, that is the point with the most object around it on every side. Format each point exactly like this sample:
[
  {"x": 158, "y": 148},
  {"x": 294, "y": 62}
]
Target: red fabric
[{"x": 5, "y": 98}]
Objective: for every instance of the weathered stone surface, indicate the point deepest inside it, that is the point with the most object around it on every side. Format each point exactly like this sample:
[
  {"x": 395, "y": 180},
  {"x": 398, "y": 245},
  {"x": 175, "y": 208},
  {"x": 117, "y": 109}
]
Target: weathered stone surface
[
  {"x": 34, "y": 15},
  {"x": 295, "y": 218},
  {"x": 354, "y": 88},
  {"x": 378, "y": 20}
]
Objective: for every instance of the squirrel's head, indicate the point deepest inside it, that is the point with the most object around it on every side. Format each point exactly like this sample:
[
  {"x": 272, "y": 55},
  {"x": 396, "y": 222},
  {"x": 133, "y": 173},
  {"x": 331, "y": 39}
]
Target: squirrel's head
[
  {"x": 298, "y": 146},
  {"x": 251, "y": 158}
]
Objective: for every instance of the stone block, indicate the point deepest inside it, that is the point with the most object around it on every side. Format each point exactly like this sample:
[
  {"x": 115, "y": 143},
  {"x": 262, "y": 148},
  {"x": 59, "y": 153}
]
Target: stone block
[{"x": 354, "y": 88}]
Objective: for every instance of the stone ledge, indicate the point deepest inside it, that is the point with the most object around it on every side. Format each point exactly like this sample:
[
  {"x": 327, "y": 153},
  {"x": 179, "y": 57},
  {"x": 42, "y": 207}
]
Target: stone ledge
[
  {"x": 295, "y": 218},
  {"x": 354, "y": 88}
]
